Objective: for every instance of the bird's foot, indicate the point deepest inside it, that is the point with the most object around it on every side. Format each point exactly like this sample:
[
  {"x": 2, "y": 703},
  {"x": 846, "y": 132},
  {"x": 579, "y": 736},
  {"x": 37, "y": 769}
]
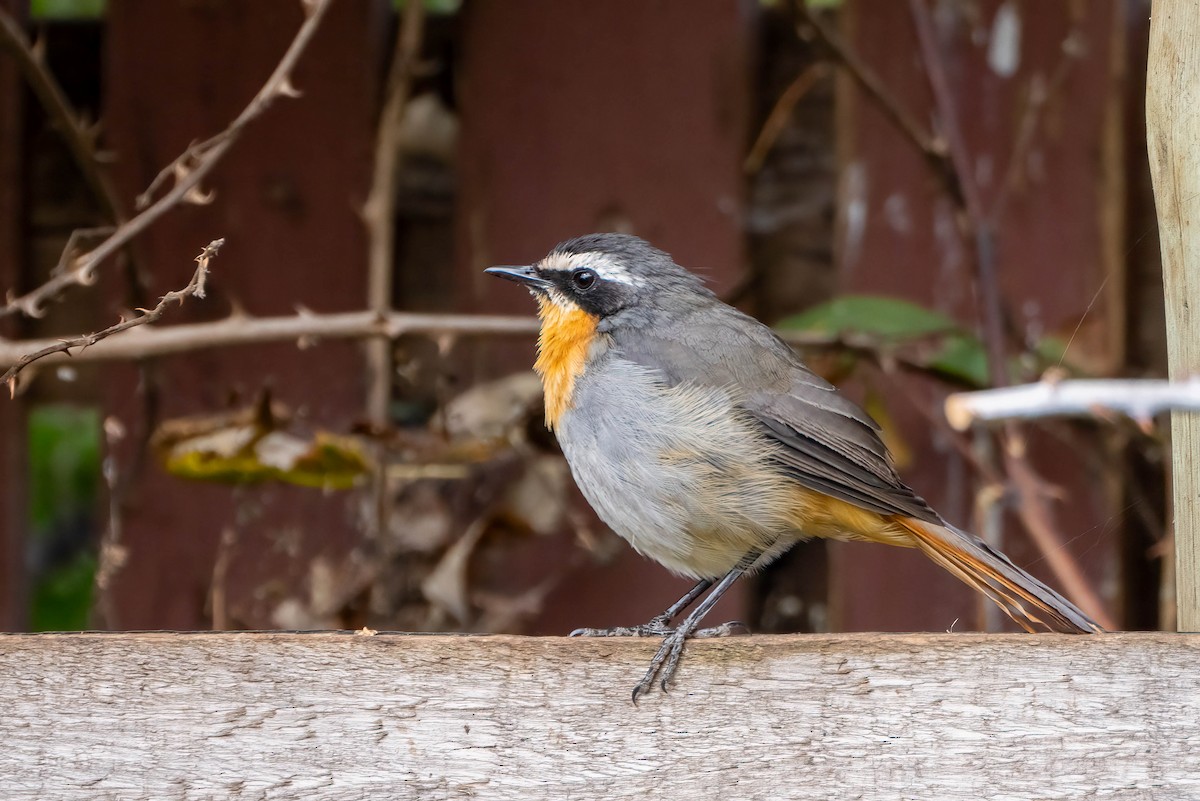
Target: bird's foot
[
  {"x": 657, "y": 627},
  {"x": 660, "y": 627},
  {"x": 663, "y": 665},
  {"x": 666, "y": 661}
]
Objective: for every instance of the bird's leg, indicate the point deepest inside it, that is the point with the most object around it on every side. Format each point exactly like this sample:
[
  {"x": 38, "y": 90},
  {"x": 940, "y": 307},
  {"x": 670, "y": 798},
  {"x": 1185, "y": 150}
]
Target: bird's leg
[
  {"x": 659, "y": 626},
  {"x": 665, "y": 662}
]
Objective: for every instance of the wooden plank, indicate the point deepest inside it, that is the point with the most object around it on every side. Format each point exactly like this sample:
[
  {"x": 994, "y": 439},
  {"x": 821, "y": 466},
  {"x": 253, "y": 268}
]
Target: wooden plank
[
  {"x": 1173, "y": 138},
  {"x": 338, "y": 716}
]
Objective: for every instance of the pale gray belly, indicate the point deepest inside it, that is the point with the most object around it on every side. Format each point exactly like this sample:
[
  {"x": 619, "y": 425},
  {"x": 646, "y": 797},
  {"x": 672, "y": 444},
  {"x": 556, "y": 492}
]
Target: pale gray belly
[{"x": 678, "y": 472}]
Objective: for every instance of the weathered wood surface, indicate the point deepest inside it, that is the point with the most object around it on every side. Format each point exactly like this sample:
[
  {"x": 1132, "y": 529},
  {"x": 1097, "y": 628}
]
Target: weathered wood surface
[
  {"x": 1173, "y": 138},
  {"x": 338, "y": 716}
]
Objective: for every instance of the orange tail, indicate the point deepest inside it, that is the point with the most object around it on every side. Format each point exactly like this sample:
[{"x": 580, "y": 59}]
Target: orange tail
[{"x": 1022, "y": 597}]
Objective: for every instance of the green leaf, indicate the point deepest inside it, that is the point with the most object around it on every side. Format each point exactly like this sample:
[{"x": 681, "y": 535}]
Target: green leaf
[
  {"x": 64, "y": 476},
  {"x": 63, "y": 598},
  {"x": 432, "y": 6},
  {"x": 870, "y": 314},
  {"x": 64, "y": 465},
  {"x": 894, "y": 323},
  {"x": 66, "y": 9}
]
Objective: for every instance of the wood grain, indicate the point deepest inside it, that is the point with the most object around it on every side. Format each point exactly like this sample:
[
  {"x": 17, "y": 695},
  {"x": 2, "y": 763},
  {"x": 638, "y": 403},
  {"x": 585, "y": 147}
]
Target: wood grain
[
  {"x": 339, "y": 716},
  {"x": 1173, "y": 138}
]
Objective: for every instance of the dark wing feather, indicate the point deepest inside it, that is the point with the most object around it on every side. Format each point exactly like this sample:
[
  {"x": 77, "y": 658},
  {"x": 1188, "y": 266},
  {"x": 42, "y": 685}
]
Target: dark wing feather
[{"x": 829, "y": 444}]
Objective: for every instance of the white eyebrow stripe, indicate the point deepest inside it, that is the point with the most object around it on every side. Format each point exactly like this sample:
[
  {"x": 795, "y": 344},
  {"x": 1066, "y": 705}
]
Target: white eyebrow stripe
[{"x": 606, "y": 268}]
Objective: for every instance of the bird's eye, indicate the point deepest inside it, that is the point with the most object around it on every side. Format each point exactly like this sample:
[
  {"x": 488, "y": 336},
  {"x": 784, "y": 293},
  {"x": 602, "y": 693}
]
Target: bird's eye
[{"x": 583, "y": 279}]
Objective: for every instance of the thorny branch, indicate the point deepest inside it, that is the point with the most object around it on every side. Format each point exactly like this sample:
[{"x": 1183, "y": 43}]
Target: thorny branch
[
  {"x": 194, "y": 288},
  {"x": 188, "y": 170}
]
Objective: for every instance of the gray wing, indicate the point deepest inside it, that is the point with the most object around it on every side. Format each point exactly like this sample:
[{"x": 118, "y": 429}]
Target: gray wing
[{"x": 829, "y": 444}]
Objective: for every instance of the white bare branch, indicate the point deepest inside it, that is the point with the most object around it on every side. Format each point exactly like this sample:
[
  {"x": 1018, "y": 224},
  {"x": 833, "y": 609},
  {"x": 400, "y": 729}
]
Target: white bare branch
[{"x": 1134, "y": 398}]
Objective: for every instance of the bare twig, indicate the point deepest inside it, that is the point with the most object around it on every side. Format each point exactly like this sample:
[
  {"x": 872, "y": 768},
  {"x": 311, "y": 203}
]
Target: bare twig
[
  {"x": 1137, "y": 399},
  {"x": 932, "y": 148},
  {"x": 1040, "y": 95},
  {"x": 978, "y": 225},
  {"x": 306, "y": 328},
  {"x": 1033, "y": 507},
  {"x": 195, "y": 288},
  {"x": 935, "y": 71},
  {"x": 379, "y": 214},
  {"x": 948, "y": 158},
  {"x": 220, "y": 573},
  {"x": 380, "y": 208},
  {"x": 112, "y": 554},
  {"x": 77, "y": 236},
  {"x": 777, "y": 119},
  {"x": 189, "y": 169}
]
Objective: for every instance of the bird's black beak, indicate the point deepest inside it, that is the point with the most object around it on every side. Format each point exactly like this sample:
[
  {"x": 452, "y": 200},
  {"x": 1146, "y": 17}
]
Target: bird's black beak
[{"x": 522, "y": 275}]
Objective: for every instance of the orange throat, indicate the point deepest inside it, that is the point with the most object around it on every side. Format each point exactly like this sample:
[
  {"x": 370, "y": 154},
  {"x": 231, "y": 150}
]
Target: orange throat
[{"x": 566, "y": 336}]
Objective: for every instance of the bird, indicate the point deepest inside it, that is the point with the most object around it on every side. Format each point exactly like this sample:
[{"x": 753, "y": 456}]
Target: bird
[{"x": 702, "y": 439}]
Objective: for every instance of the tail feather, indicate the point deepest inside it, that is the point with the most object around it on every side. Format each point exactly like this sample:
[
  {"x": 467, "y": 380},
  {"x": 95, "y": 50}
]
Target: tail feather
[{"x": 1022, "y": 597}]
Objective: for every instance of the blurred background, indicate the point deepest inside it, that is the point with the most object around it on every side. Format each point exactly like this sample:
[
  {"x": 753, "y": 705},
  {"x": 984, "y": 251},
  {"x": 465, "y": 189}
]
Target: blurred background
[{"x": 925, "y": 196}]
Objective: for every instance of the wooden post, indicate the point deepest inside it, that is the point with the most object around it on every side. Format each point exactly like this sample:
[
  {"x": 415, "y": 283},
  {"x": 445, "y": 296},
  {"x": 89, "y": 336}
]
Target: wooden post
[
  {"x": 1173, "y": 137},
  {"x": 952, "y": 717}
]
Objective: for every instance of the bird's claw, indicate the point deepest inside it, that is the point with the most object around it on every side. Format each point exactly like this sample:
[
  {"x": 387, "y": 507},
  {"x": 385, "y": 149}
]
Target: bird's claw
[
  {"x": 658, "y": 627},
  {"x": 663, "y": 665},
  {"x": 723, "y": 630},
  {"x": 665, "y": 662}
]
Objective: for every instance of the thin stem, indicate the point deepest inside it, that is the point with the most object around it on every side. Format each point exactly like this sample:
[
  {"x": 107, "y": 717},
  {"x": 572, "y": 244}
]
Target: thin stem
[{"x": 194, "y": 288}]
